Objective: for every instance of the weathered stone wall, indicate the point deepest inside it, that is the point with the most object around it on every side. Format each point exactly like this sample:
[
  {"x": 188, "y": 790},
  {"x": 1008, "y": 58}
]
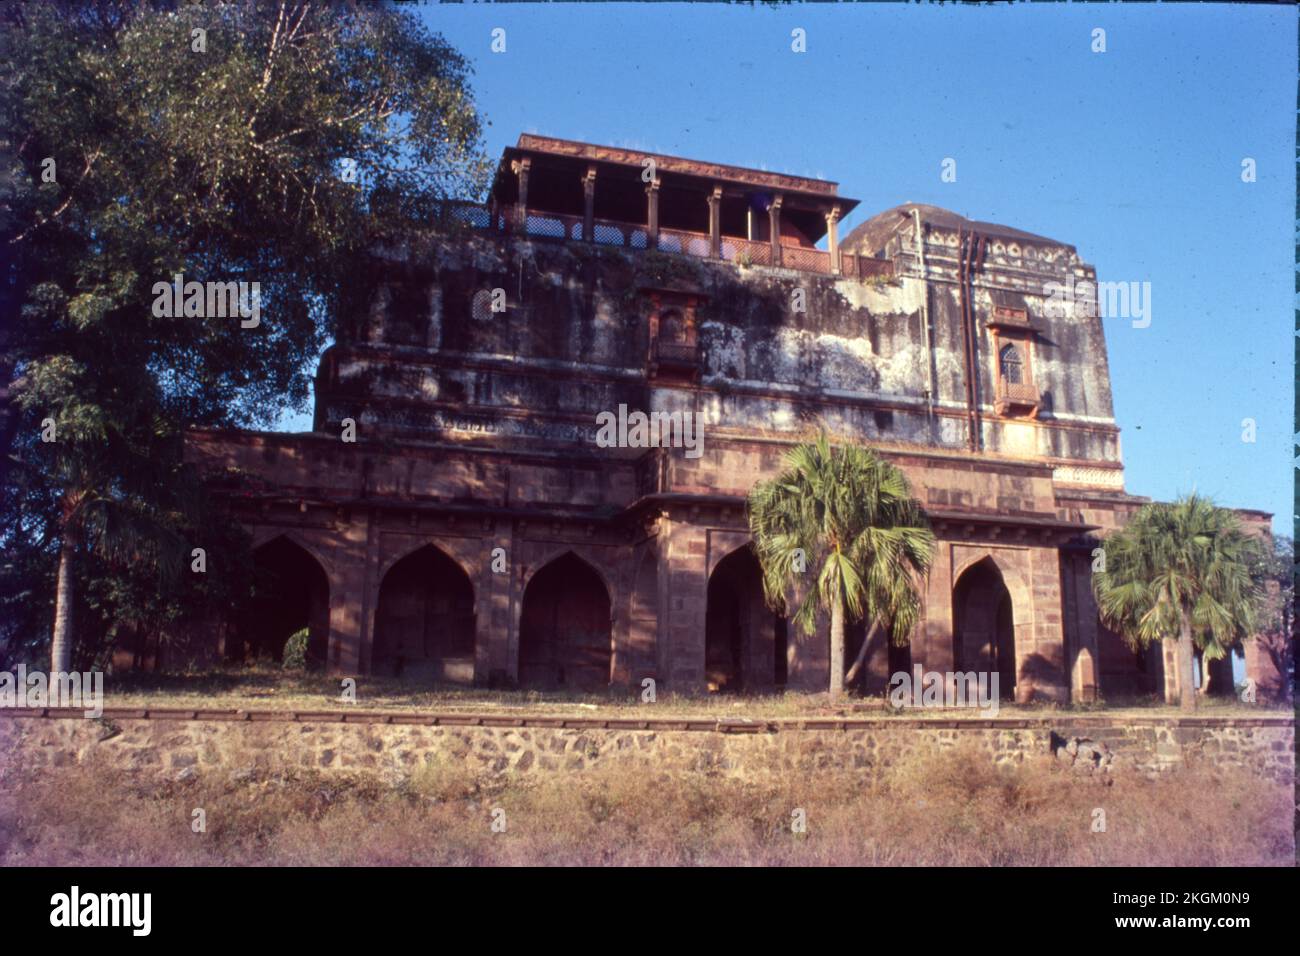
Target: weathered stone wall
[
  {"x": 395, "y": 744},
  {"x": 880, "y": 362}
]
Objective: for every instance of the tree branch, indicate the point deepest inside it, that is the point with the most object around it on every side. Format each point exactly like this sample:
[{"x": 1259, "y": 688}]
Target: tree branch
[{"x": 90, "y": 161}]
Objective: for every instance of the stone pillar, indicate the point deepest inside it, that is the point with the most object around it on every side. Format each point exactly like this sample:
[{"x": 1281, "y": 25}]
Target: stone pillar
[
  {"x": 933, "y": 647},
  {"x": 520, "y": 167},
  {"x": 715, "y": 222},
  {"x": 833, "y": 238},
  {"x": 652, "y": 215},
  {"x": 1085, "y": 683},
  {"x": 1263, "y": 653},
  {"x": 1270, "y": 682},
  {"x": 636, "y": 637},
  {"x": 589, "y": 205},
  {"x": 774, "y": 221},
  {"x": 1040, "y": 646},
  {"x": 370, "y": 595},
  {"x": 494, "y": 664},
  {"x": 1081, "y": 628},
  {"x": 685, "y": 584},
  {"x": 351, "y": 606}
]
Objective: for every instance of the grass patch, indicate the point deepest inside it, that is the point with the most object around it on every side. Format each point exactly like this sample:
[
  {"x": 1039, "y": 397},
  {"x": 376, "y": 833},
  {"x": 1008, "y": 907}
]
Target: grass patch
[
  {"x": 270, "y": 688},
  {"x": 953, "y": 808}
]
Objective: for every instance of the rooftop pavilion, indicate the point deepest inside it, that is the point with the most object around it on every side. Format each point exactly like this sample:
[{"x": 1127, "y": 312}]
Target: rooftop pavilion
[{"x": 571, "y": 191}]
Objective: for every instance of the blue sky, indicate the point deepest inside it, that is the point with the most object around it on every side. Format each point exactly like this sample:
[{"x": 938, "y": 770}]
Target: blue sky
[{"x": 1133, "y": 155}]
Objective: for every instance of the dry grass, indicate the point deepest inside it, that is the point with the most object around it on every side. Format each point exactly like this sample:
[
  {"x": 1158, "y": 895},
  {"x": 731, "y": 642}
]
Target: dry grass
[
  {"x": 951, "y": 809},
  {"x": 269, "y": 688}
]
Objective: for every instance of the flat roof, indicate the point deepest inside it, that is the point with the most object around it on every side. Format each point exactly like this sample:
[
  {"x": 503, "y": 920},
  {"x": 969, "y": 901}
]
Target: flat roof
[{"x": 824, "y": 189}]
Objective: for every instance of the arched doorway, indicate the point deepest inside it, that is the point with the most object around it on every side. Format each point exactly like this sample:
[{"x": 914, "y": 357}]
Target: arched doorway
[
  {"x": 744, "y": 641},
  {"x": 882, "y": 661},
  {"x": 425, "y": 622},
  {"x": 564, "y": 628},
  {"x": 1219, "y": 672},
  {"x": 984, "y": 636},
  {"x": 640, "y": 660},
  {"x": 290, "y": 592}
]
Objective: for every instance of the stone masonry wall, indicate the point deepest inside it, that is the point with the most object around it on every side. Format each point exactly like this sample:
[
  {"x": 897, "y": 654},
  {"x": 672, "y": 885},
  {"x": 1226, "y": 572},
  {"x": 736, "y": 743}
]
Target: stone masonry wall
[{"x": 393, "y": 744}]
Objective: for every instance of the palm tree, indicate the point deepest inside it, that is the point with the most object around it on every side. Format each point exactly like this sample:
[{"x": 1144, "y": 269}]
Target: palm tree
[
  {"x": 1180, "y": 570},
  {"x": 122, "y": 495},
  {"x": 848, "y": 516},
  {"x": 120, "y": 529}
]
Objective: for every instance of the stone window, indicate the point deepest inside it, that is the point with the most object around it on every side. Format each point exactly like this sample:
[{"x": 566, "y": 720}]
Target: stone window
[
  {"x": 1011, "y": 363},
  {"x": 674, "y": 351},
  {"x": 671, "y": 326},
  {"x": 481, "y": 305}
]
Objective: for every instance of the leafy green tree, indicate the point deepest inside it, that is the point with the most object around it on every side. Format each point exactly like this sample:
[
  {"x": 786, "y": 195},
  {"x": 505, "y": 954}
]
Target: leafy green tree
[
  {"x": 1181, "y": 571},
  {"x": 1275, "y": 574},
  {"x": 259, "y": 142},
  {"x": 848, "y": 517}
]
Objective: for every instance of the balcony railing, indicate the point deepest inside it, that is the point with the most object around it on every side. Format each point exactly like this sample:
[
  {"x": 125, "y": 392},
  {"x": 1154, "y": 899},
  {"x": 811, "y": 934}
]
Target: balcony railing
[
  {"x": 677, "y": 354},
  {"x": 866, "y": 267},
  {"x": 675, "y": 360},
  {"x": 806, "y": 260},
  {"x": 687, "y": 243},
  {"x": 1017, "y": 393},
  {"x": 744, "y": 252}
]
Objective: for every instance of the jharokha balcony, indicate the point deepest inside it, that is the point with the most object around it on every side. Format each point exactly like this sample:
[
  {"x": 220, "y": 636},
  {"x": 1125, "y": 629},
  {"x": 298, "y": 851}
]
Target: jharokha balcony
[
  {"x": 1017, "y": 397},
  {"x": 566, "y": 191},
  {"x": 672, "y": 358},
  {"x": 684, "y": 354}
]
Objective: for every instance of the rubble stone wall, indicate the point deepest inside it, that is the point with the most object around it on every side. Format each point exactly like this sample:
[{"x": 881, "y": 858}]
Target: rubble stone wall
[{"x": 393, "y": 745}]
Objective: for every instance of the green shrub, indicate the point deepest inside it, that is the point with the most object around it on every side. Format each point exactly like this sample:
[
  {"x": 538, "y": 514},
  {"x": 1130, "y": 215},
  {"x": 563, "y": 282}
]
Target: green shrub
[{"x": 295, "y": 651}]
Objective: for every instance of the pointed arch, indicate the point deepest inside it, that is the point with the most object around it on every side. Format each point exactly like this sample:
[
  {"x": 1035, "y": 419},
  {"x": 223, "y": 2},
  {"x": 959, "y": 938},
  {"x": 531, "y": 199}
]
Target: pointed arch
[
  {"x": 425, "y": 619},
  {"x": 266, "y": 536},
  {"x": 745, "y": 645},
  {"x": 984, "y": 619},
  {"x": 1011, "y": 364},
  {"x": 566, "y": 626},
  {"x": 607, "y": 578},
  {"x": 418, "y": 545},
  {"x": 291, "y": 591},
  {"x": 1012, "y": 572}
]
